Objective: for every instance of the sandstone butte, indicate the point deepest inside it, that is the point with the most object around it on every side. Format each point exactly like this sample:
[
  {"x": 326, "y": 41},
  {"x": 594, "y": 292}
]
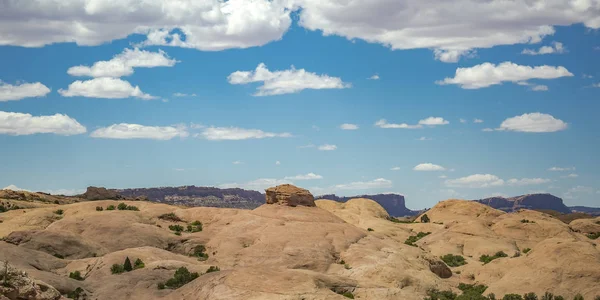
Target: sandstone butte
[{"x": 295, "y": 248}]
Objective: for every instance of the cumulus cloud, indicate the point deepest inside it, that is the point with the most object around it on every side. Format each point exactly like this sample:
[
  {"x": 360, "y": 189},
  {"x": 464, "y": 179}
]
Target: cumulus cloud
[
  {"x": 285, "y": 82},
  {"x": 463, "y": 121},
  {"x": 425, "y": 139},
  {"x": 527, "y": 181},
  {"x": 478, "y": 121},
  {"x": 431, "y": 121},
  {"x": 277, "y": 163},
  {"x": 327, "y": 147},
  {"x": 256, "y": 185},
  {"x": 25, "y": 124},
  {"x": 183, "y": 95},
  {"x": 208, "y": 25},
  {"x": 533, "y": 122},
  {"x": 104, "y": 87},
  {"x": 572, "y": 175},
  {"x": 451, "y": 28},
  {"x": 126, "y": 131},
  {"x": 122, "y": 64},
  {"x": 237, "y": 162},
  {"x": 309, "y": 176},
  {"x": 475, "y": 181},
  {"x": 561, "y": 169},
  {"x": 395, "y": 169},
  {"x": 488, "y": 74},
  {"x": 236, "y": 133},
  {"x": 9, "y": 92},
  {"x": 555, "y": 48},
  {"x": 364, "y": 185},
  {"x": 428, "y": 167},
  {"x": 347, "y": 126},
  {"x": 374, "y": 77}
]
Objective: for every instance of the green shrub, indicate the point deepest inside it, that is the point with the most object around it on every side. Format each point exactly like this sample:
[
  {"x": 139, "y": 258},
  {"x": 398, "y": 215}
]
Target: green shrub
[
  {"x": 117, "y": 269},
  {"x": 472, "y": 288},
  {"x": 578, "y": 297},
  {"x": 177, "y": 228},
  {"x": 593, "y": 236},
  {"x": 199, "y": 252},
  {"x": 138, "y": 264},
  {"x": 181, "y": 277},
  {"x": 396, "y": 220},
  {"x": 195, "y": 226},
  {"x": 213, "y": 269},
  {"x": 110, "y": 207},
  {"x": 76, "y": 275},
  {"x": 177, "y": 232},
  {"x": 454, "y": 260},
  {"x": 491, "y": 296},
  {"x": 77, "y": 294},
  {"x": 559, "y": 298},
  {"x": 527, "y": 221},
  {"x": 347, "y": 267},
  {"x": 370, "y": 229},
  {"x": 59, "y": 212},
  {"x": 127, "y": 265},
  {"x": 597, "y": 297},
  {"x": 440, "y": 295},
  {"x": 161, "y": 286},
  {"x": 530, "y": 296},
  {"x": 3, "y": 209},
  {"x": 342, "y": 262},
  {"x": 414, "y": 238},
  {"x": 170, "y": 217},
  {"x": 425, "y": 219},
  {"x": 526, "y": 250},
  {"x": 487, "y": 259},
  {"x": 512, "y": 297},
  {"x": 131, "y": 207},
  {"x": 99, "y": 208},
  {"x": 548, "y": 296},
  {"x": 348, "y": 295},
  {"x": 56, "y": 202},
  {"x": 122, "y": 206}
]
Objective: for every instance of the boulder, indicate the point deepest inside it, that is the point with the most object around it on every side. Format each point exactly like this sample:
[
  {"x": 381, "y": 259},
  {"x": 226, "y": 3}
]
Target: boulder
[
  {"x": 19, "y": 285},
  {"x": 289, "y": 195},
  {"x": 100, "y": 193},
  {"x": 439, "y": 268}
]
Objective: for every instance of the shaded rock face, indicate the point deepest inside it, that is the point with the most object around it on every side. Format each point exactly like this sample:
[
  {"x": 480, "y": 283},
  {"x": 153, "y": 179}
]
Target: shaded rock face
[
  {"x": 100, "y": 193},
  {"x": 394, "y": 204},
  {"x": 533, "y": 201},
  {"x": 20, "y": 286},
  {"x": 440, "y": 269},
  {"x": 289, "y": 195}
]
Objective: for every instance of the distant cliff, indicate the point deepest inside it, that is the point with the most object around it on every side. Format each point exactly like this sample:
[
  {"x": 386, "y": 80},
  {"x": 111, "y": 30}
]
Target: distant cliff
[
  {"x": 531, "y": 201},
  {"x": 394, "y": 204},
  {"x": 199, "y": 196},
  {"x": 594, "y": 211}
]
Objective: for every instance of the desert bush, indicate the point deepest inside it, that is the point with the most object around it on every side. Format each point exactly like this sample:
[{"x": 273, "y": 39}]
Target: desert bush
[
  {"x": 597, "y": 297},
  {"x": 177, "y": 232},
  {"x": 487, "y": 259},
  {"x": 161, "y": 286},
  {"x": 348, "y": 295},
  {"x": 59, "y": 212},
  {"x": 127, "y": 265},
  {"x": 56, "y": 202},
  {"x": 213, "y": 269},
  {"x": 76, "y": 275},
  {"x": 117, "y": 269},
  {"x": 527, "y": 221},
  {"x": 370, "y": 229},
  {"x": 110, "y": 207},
  {"x": 177, "y": 228},
  {"x": 578, "y": 297},
  {"x": 559, "y": 298},
  {"x": 131, "y": 207},
  {"x": 170, "y": 217},
  {"x": 138, "y": 264},
  {"x": 548, "y": 296},
  {"x": 195, "y": 226},
  {"x": 396, "y": 220},
  {"x": 199, "y": 252},
  {"x": 3, "y": 209},
  {"x": 491, "y": 296},
  {"x": 530, "y": 296},
  {"x": 347, "y": 267},
  {"x": 122, "y": 206},
  {"x": 440, "y": 295},
  {"x": 512, "y": 297},
  {"x": 99, "y": 208},
  {"x": 425, "y": 219},
  {"x": 454, "y": 260},
  {"x": 414, "y": 238},
  {"x": 77, "y": 294},
  {"x": 182, "y": 276},
  {"x": 594, "y": 235},
  {"x": 526, "y": 250}
]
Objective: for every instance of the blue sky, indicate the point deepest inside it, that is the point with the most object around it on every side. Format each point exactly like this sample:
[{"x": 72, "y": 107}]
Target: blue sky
[{"x": 264, "y": 103}]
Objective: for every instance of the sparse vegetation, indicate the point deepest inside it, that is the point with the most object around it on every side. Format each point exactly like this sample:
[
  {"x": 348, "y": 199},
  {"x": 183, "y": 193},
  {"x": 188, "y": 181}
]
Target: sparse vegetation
[
  {"x": 124, "y": 206},
  {"x": 76, "y": 294},
  {"x": 578, "y": 297},
  {"x": 170, "y": 217},
  {"x": 176, "y": 228},
  {"x": 454, "y": 260},
  {"x": 425, "y": 219},
  {"x": 182, "y": 276},
  {"x": 59, "y": 256},
  {"x": 199, "y": 252},
  {"x": 347, "y": 267},
  {"x": 138, "y": 264},
  {"x": 3, "y": 209},
  {"x": 110, "y": 207},
  {"x": 127, "y": 265},
  {"x": 512, "y": 297},
  {"x": 527, "y": 221},
  {"x": 486, "y": 259},
  {"x": 396, "y": 220},
  {"x": 370, "y": 229},
  {"x": 414, "y": 238},
  {"x": 530, "y": 296},
  {"x": 99, "y": 208},
  {"x": 526, "y": 250},
  {"x": 117, "y": 269},
  {"x": 59, "y": 212},
  {"x": 594, "y": 235},
  {"x": 195, "y": 226},
  {"x": 348, "y": 295},
  {"x": 76, "y": 275},
  {"x": 213, "y": 269}
]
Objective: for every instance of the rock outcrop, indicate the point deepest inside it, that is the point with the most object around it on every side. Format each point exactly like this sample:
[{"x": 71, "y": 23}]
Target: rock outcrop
[
  {"x": 289, "y": 195},
  {"x": 100, "y": 193},
  {"x": 394, "y": 204},
  {"x": 532, "y": 201},
  {"x": 17, "y": 285}
]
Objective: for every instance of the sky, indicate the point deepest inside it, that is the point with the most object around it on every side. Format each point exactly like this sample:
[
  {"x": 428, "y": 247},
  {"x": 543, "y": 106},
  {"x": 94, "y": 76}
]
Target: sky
[{"x": 428, "y": 99}]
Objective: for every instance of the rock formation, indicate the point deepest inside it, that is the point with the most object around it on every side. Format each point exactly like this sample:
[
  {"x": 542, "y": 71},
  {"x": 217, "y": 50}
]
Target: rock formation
[
  {"x": 532, "y": 201},
  {"x": 17, "y": 285},
  {"x": 394, "y": 204},
  {"x": 289, "y": 195},
  {"x": 100, "y": 193}
]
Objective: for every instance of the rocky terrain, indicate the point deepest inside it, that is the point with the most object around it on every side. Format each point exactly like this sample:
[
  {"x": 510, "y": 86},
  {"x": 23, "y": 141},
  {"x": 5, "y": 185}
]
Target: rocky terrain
[
  {"x": 292, "y": 248},
  {"x": 394, "y": 204},
  {"x": 531, "y": 201}
]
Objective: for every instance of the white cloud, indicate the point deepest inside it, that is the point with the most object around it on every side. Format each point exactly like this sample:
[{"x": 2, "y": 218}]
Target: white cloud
[
  {"x": 555, "y": 48},
  {"x": 122, "y": 64},
  {"x": 347, "y": 126},
  {"x": 307, "y": 146},
  {"x": 475, "y": 181},
  {"x": 587, "y": 76},
  {"x": 443, "y": 176},
  {"x": 539, "y": 88},
  {"x": 488, "y": 74},
  {"x": 596, "y": 85},
  {"x": 463, "y": 121},
  {"x": 236, "y": 133},
  {"x": 433, "y": 121},
  {"x": 277, "y": 163},
  {"x": 428, "y": 167},
  {"x": 560, "y": 169},
  {"x": 207, "y": 25},
  {"x": 533, "y": 122},
  {"x": 285, "y": 82},
  {"x": 365, "y": 185},
  {"x": 395, "y": 169},
  {"x": 478, "y": 121},
  {"x": 104, "y": 87},
  {"x": 452, "y": 56},
  {"x": 425, "y": 139},
  {"x": 25, "y": 124},
  {"x": 179, "y": 169},
  {"x": 327, "y": 147},
  {"x": 126, "y": 131},
  {"x": 487, "y": 129},
  {"x": 257, "y": 185},
  {"x": 9, "y": 92},
  {"x": 430, "y": 121},
  {"x": 527, "y": 181},
  {"x": 451, "y": 28},
  {"x": 309, "y": 176},
  {"x": 374, "y": 77},
  {"x": 237, "y": 162},
  {"x": 183, "y": 95},
  {"x": 13, "y": 187},
  {"x": 576, "y": 192},
  {"x": 572, "y": 175}
]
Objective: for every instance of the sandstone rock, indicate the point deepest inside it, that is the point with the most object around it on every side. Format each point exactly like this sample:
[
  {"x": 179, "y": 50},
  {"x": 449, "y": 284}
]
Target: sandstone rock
[
  {"x": 287, "y": 194},
  {"x": 100, "y": 193},
  {"x": 20, "y": 286},
  {"x": 439, "y": 268}
]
